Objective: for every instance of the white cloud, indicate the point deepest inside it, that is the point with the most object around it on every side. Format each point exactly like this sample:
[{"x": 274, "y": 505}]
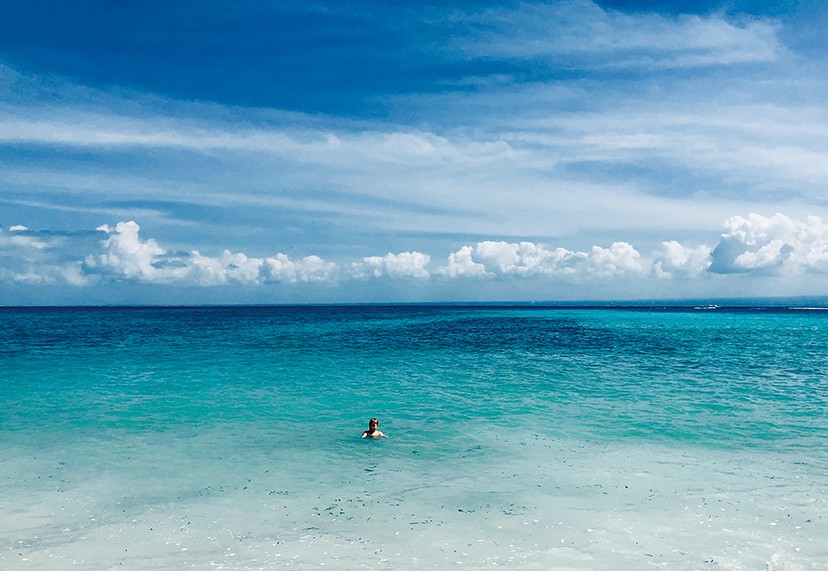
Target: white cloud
[
  {"x": 678, "y": 260},
  {"x": 461, "y": 263},
  {"x": 48, "y": 274},
  {"x": 280, "y": 268},
  {"x": 589, "y": 36},
  {"x": 620, "y": 259},
  {"x": 126, "y": 256},
  {"x": 21, "y": 239},
  {"x": 28, "y": 257},
  {"x": 775, "y": 244},
  {"x": 63, "y": 125},
  {"x": 402, "y": 265},
  {"x": 207, "y": 271},
  {"x": 23, "y": 242},
  {"x": 73, "y": 274},
  {"x": 522, "y": 258},
  {"x": 529, "y": 259}
]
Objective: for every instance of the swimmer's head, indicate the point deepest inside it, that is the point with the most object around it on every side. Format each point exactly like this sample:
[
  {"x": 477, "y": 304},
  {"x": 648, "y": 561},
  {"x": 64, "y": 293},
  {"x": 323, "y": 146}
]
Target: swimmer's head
[{"x": 373, "y": 423}]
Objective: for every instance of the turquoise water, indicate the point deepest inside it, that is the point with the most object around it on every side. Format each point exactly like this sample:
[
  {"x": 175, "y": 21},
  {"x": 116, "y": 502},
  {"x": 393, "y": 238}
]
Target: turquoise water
[{"x": 523, "y": 438}]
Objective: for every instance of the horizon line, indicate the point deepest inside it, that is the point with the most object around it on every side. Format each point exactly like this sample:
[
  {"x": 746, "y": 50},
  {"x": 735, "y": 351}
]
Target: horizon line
[{"x": 780, "y": 302}]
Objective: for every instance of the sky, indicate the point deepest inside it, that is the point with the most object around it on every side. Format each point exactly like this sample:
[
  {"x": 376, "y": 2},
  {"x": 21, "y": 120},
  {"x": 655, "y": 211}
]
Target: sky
[{"x": 399, "y": 151}]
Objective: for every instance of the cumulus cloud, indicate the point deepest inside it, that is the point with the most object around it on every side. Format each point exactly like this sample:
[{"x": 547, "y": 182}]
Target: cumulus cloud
[
  {"x": 126, "y": 255},
  {"x": 461, "y": 263},
  {"x": 280, "y": 268},
  {"x": 129, "y": 257},
  {"x": 402, "y": 265},
  {"x": 620, "y": 259},
  {"x": 529, "y": 259},
  {"x": 678, "y": 260},
  {"x": 775, "y": 244},
  {"x": 208, "y": 271}
]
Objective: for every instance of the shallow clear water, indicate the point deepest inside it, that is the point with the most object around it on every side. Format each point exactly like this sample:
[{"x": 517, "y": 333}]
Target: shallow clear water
[{"x": 520, "y": 438}]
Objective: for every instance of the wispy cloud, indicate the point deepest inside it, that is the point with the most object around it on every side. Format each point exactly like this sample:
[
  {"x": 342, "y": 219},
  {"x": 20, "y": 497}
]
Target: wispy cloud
[
  {"x": 529, "y": 176},
  {"x": 580, "y": 34}
]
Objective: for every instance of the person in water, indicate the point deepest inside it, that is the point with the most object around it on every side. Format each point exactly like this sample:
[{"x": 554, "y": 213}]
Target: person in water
[{"x": 373, "y": 430}]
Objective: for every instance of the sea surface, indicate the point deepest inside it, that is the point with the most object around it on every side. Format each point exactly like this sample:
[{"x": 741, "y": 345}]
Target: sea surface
[{"x": 518, "y": 438}]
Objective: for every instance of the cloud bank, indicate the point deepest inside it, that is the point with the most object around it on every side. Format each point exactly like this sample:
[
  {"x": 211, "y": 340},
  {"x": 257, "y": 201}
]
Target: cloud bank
[
  {"x": 764, "y": 245},
  {"x": 126, "y": 256}
]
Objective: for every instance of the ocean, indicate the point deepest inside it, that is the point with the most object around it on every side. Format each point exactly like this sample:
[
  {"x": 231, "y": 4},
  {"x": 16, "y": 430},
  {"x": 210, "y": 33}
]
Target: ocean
[{"x": 517, "y": 438}]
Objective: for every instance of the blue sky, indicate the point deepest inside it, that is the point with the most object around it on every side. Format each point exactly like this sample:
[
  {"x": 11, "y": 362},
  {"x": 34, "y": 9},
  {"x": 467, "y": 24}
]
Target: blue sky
[{"x": 266, "y": 152}]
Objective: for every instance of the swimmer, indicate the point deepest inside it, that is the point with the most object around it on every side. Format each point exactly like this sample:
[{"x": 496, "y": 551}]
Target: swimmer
[{"x": 373, "y": 430}]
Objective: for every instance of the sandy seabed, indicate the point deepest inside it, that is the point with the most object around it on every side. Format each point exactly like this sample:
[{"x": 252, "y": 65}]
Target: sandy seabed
[{"x": 531, "y": 503}]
